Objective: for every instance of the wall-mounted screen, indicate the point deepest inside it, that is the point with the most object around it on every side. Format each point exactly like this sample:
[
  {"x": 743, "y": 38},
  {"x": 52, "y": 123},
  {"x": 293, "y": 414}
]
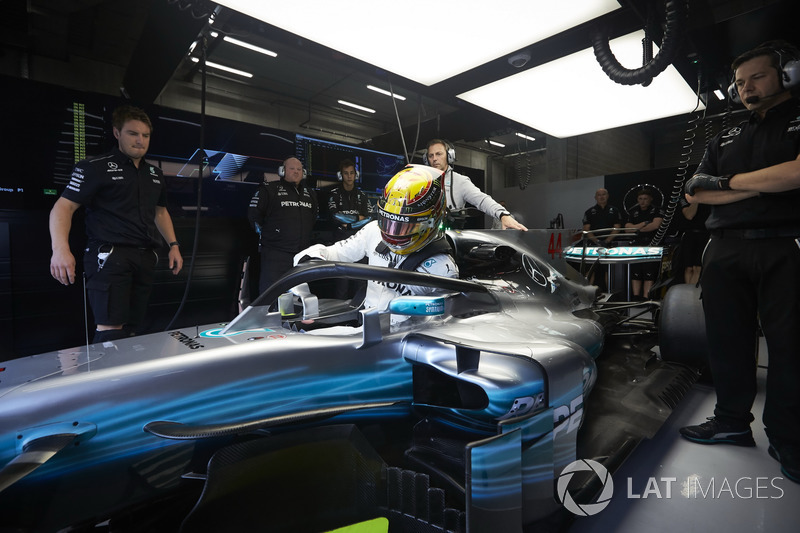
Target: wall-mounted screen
[
  {"x": 58, "y": 127},
  {"x": 322, "y": 160}
]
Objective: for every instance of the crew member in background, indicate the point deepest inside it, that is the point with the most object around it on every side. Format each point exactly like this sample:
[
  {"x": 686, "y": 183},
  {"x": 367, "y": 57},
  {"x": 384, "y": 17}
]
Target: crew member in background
[
  {"x": 125, "y": 199},
  {"x": 283, "y": 213},
  {"x": 349, "y": 208},
  {"x": 750, "y": 175},
  {"x": 459, "y": 189},
  {"x": 348, "y": 205},
  {"x": 693, "y": 241},
  {"x": 602, "y": 216},
  {"x": 646, "y": 219}
]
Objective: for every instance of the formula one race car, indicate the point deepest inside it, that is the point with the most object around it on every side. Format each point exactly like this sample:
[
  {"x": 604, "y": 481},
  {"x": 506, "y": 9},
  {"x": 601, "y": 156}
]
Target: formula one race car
[{"x": 450, "y": 412}]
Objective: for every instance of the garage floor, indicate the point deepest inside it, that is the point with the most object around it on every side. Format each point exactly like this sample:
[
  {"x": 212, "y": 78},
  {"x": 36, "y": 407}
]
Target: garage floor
[{"x": 715, "y": 488}]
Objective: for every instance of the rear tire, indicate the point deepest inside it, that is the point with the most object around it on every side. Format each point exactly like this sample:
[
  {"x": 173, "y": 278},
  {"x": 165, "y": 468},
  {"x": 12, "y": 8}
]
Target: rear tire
[{"x": 682, "y": 331}]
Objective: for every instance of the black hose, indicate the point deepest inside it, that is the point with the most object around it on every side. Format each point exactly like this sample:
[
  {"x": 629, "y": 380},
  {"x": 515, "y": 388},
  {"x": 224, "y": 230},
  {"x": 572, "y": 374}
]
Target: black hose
[
  {"x": 680, "y": 176},
  {"x": 202, "y": 163},
  {"x": 676, "y": 16}
]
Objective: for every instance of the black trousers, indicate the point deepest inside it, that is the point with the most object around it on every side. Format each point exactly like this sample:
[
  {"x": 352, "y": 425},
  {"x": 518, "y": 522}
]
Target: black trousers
[
  {"x": 274, "y": 264},
  {"x": 119, "y": 291},
  {"x": 744, "y": 281}
]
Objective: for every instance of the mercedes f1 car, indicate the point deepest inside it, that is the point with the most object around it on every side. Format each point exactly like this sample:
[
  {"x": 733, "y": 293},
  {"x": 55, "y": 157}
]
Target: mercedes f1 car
[{"x": 460, "y": 416}]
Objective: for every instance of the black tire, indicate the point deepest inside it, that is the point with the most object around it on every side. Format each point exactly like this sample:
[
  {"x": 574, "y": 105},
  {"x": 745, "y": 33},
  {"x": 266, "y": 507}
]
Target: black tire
[{"x": 682, "y": 331}]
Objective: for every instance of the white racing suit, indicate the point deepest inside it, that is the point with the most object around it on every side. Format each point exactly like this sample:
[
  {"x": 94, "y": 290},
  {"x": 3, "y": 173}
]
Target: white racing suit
[{"x": 368, "y": 243}]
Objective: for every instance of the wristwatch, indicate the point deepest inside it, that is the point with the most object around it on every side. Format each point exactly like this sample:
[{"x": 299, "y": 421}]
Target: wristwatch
[
  {"x": 174, "y": 243},
  {"x": 504, "y": 214}
]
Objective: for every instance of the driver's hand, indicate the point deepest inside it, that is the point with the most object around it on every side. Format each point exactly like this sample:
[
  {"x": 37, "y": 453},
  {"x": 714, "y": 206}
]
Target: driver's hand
[{"x": 313, "y": 252}]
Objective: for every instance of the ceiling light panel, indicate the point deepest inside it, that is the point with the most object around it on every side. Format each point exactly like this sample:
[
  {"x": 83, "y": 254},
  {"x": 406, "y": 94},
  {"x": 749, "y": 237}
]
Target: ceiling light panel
[
  {"x": 249, "y": 46},
  {"x": 385, "y": 92},
  {"x": 572, "y": 95},
  {"x": 356, "y": 106},
  {"x": 461, "y": 35},
  {"x": 219, "y": 66}
]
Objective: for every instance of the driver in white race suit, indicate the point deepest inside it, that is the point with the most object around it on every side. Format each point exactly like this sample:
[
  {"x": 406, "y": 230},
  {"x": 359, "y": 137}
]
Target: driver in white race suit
[{"x": 406, "y": 236}]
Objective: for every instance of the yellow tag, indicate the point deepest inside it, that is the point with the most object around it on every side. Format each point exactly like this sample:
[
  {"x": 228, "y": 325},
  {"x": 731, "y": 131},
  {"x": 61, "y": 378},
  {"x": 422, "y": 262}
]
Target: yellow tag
[{"x": 376, "y": 525}]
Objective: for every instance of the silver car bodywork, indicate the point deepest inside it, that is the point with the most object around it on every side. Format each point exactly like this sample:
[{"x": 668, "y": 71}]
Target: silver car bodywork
[{"x": 89, "y": 431}]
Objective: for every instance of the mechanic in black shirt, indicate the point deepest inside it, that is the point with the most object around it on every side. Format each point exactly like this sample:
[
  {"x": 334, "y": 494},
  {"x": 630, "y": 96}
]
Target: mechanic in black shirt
[
  {"x": 125, "y": 200},
  {"x": 283, "y": 213},
  {"x": 646, "y": 219},
  {"x": 348, "y": 205},
  {"x": 689, "y": 255},
  {"x": 601, "y": 216},
  {"x": 750, "y": 175}
]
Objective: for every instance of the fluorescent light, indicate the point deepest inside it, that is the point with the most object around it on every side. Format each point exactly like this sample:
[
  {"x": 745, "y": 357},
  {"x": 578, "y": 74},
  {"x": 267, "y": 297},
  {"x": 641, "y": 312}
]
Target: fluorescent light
[
  {"x": 243, "y": 44},
  {"x": 249, "y": 46},
  {"x": 226, "y": 69},
  {"x": 495, "y": 143},
  {"x": 384, "y": 91},
  {"x": 719, "y": 94},
  {"x": 511, "y": 26},
  {"x": 572, "y": 95},
  {"x": 356, "y": 106},
  {"x": 526, "y": 137}
]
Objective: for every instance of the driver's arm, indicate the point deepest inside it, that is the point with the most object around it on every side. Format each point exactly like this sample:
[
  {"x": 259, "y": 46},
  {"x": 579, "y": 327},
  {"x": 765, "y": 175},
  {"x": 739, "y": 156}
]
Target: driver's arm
[{"x": 349, "y": 250}]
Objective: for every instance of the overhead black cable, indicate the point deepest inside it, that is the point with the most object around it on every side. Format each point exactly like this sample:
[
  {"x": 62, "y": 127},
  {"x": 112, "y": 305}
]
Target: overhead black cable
[{"x": 674, "y": 29}]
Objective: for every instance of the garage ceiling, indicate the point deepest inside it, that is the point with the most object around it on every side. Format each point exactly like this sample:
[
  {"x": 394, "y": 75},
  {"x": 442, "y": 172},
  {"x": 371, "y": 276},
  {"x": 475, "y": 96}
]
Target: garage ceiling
[{"x": 149, "y": 42}]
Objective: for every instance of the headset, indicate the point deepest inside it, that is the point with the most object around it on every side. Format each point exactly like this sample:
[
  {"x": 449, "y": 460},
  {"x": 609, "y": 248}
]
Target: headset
[
  {"x": 339, "y": 175},
  {"x": 451, "y": 153},
  {"x": 282, "y": 169},
  {"x": 788, "y": 72}
]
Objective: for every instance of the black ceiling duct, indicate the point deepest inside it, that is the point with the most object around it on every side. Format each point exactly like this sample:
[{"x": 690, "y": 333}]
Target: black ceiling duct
[{"x": 674, "y": 30}]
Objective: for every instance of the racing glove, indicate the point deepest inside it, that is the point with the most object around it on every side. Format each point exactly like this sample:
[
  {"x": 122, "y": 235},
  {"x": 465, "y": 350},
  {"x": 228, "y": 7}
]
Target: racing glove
[{"x": 708, "y": 182}]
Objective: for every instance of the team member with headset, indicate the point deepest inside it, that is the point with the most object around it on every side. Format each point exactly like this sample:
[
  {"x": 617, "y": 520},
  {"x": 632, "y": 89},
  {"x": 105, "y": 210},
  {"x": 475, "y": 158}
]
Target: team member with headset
[
  {"x": 347, "y": 204},
  {"x": 750, "y": 176},
  {"x": 283, "y": 213},
  {"x": 459, "y": 189}
]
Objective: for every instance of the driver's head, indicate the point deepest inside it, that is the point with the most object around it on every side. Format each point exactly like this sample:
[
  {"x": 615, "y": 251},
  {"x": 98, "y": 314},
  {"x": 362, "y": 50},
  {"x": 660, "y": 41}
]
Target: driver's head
[{"x": 411, "y": 209}]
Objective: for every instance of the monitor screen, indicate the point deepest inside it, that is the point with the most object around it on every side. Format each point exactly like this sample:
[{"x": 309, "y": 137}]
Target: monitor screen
[
  {"x": 57, "y": 127},
  {"x": 322, "y": 158}
]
